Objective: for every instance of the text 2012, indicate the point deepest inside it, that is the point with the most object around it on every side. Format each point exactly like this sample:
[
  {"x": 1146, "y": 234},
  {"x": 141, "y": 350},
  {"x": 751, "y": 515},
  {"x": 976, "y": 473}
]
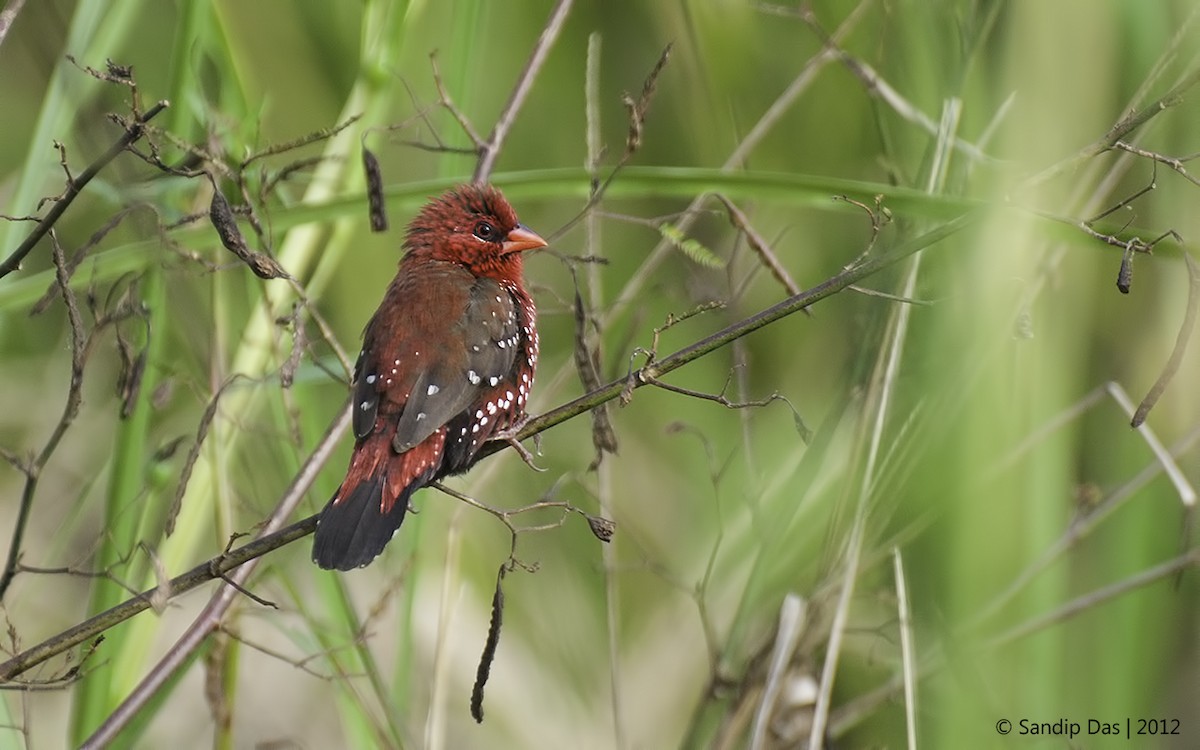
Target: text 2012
[{"x": 1157, "y": 726}]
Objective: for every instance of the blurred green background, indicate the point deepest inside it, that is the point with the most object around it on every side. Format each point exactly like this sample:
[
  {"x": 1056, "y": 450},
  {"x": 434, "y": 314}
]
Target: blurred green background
[{"x": 966, "y": 433}]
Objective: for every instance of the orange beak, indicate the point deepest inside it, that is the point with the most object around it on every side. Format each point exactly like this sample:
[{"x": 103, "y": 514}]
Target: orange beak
[{"x": 521, "y": 239}]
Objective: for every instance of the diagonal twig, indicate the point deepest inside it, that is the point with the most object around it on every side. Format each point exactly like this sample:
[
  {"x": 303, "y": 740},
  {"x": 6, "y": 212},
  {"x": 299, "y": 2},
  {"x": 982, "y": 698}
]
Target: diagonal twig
[
  {"x": 242, "y": 562},
  {"x": 272, "y": 536},
  {"x": 133, "y": 132},
  {"x": 491, "y": 147},
  {"x": 1181, "y": 342}
]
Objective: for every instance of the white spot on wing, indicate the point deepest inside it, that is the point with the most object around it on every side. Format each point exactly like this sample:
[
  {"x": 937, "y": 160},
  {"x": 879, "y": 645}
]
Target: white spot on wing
[{"x": 433, "y": 389}]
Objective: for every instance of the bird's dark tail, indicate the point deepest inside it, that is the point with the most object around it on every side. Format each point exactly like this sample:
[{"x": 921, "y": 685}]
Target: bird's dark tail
[
  {"x": 353, "y": 529},
  {"x": 370, "y": 505}
]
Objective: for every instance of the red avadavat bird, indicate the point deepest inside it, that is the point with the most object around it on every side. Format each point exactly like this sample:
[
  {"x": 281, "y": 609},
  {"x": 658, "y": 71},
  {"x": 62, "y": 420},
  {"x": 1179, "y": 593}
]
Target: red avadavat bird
[{"x": 447, "y": 362}]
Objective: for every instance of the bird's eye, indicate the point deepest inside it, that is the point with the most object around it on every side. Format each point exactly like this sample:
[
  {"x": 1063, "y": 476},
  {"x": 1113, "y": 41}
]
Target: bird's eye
[{"x": 486, "y": 232}]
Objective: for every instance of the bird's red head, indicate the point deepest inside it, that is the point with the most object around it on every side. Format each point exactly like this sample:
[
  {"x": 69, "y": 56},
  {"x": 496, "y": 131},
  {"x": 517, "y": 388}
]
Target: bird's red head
[{"x": 474, "y": 227}]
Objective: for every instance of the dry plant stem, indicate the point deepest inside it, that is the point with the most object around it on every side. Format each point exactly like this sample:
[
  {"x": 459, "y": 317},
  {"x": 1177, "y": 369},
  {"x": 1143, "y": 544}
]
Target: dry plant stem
[
  {"x": 180, "y": 584},
  {"x": 908, "y": 653},
  {"x": 1170, "y": 161},
  {"x": 774, "y": 113},
  {"x": 242, "y": 566},
  {"x": 1099, "y": 596},
  {"x": 79, "y": 345},
  {"x": 880, "y": 395},
  {"x": 491, "y": 148},
  {"x": 1181, "y": 342},
  {"x": 601, "y": 423},
  {"x": 133, "y": 132},
  {"x": 1187, "y": 493},
  {"x": 185, "y": 474},
  {"x": 269, "y": 539},
  {"x": 454, "y": 111},
  {"x": 1082, "y": 526},
  {"x": 1121, "y": 129},
  {"x": 793, "y": 617},
  {"x": 660, "y": 367},
  {"x": 8, "y": 15},
  {"x": 760, "y": 246},
  {"x": 82, "y": 342},
  {"x": 875, "y": 85}
]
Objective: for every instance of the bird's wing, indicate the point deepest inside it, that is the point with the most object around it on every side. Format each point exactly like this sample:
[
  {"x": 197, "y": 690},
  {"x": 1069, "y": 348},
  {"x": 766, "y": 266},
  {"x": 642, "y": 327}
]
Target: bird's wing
[{"x": 483, "y": 344}]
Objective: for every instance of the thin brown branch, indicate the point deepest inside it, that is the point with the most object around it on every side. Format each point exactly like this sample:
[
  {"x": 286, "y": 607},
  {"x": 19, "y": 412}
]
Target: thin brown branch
[
  {"x": 800, "y": 84},
  {"x": 452, "y": 108},
  {"x": 1098, "y": 597},
  {"x": 1181, "y": 342},
  {"x": 637, "y": 111},
  {"x": 875, "y": 85},
  {"x": 8, "y": 16},
  {"x": 79, "y": 346},
  {"x": 760, "y": 246},
  {"x": 490, "y": 150},
  {"x": 242, "y": 562},
  {"x": 273, "y": 535},
  {"x": 81, "y": 253},
  {"x": 301, "y": 664},
  {"x": 1153, "y": 184},
  {"x": 314, "y": 137},
  {"x": 185, "y": 474},
  {"x": 133, "y": 132},
  {"x": 1122, "y": 128}
]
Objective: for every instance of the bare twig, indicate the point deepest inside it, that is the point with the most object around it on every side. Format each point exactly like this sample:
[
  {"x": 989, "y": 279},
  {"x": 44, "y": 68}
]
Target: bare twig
[
  {"x": 907, "y": 651},
  {"x": 1187, "y": 493},
  {"x": 804, "y": 78},
  {"x": 1181, "y": 341},
  {"x": 242, "y": 562},
  {"x": 134, "y": 130},
  {"x": 1175, "y": 163},
  {"x": 1122, "y": 128},
  {"x": 314, "y": 137},
  {"x": 1084, "y": 524},
  {"x": 637, "y": 110},
  {"x": 876, "y": 85},
  {"x": 491, "y": 147},
  {"x": 1099, "y": 596},
  {"x": 79, "y": 346},
  {"x": 760, "y": 246},
  {"x": 8, "y": 15},
  {"x": 185, "y": 474},
  {"x": 272, "y": 536},
  {"x": 452, "y": 108}
]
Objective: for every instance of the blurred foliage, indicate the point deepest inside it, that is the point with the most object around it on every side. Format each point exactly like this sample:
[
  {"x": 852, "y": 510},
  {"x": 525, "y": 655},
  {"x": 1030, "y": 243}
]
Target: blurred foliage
[{"x": 965, "y": 432}]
